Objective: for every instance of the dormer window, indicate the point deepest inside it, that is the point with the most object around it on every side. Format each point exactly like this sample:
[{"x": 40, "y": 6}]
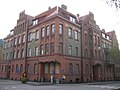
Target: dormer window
[
  {"x": 72, "y": 19},
  {"x": 35, "y": 22}
]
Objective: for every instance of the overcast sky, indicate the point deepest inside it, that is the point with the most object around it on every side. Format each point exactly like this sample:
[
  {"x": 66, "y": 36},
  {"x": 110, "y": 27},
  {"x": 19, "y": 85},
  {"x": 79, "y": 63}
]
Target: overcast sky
[{"x": 105, "y": 16}]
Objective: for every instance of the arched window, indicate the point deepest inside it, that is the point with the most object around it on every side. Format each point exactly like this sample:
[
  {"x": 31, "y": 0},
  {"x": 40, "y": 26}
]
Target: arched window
[
  {"x": 21, "y": 68},
  {"x": 17, "y": 69},
  {"x": 46, "y": 67},
  {"x": 70, "y": 68},
  {"x": 35, "y": 68},
  {"x": 57, "y": 68},
  {"x": 28, "y": 68}
]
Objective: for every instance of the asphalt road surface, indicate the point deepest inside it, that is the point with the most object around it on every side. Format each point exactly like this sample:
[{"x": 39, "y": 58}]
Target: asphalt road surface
[{"x": 17, "y": 85}]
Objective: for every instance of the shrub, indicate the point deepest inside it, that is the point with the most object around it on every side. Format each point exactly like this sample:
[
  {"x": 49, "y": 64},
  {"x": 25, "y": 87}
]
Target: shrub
[{"x": 24, "y": 80}]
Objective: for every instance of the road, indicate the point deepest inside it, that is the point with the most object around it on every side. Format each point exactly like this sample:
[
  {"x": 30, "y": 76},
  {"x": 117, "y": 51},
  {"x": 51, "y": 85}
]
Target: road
[{"x": 17, "y": 85}]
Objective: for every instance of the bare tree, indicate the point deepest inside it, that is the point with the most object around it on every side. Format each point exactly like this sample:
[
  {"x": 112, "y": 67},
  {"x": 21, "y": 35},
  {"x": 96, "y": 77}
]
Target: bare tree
[{"x": 114, "y": 3}]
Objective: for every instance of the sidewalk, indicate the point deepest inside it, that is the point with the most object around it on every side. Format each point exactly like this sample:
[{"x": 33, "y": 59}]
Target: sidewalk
[
  {"x": 39, "y": 83},
  {"x": 100, "y": 83}
]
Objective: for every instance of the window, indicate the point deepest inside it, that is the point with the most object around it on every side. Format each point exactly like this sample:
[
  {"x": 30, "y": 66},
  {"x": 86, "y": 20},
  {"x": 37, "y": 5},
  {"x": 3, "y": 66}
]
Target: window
[
  {"x": 72, "y": 19},
  {"x": 29, "y": 52},
  {"x": 42, "y": 32},
  {"x": 3, "y": 56},
  {"x": 47, "y": 49},
  {"x": 52, "y": 47},
  {"x": 36, "y": 51},
  {"x": 18, "y": 54},
  {"x": 21, "y": 68},
  {"x": 76, "y": 34},
  {"x": 77, "y": 69},
  {"x": 70, "y": 32},
  {"x": 46, "y": 67},
  {"x": 76, "y": 51},
  {"x": 53, "y": 28},
  {"x": 52, "y": 70},
  {"x": 87, "y": 71},
  {"x": 30, "y": 37},
  {"x": 14, "y": 54},
  {"x": 70, "y": 68},
  {"x": 15, "y": 42},
  {"x": 22, "y": 53},
  {"x": 37, "y": 35},
  {"x": 86, "y": 53},
  {"x": 12, "y": 68},
  {"x": 8, "y": 44},
  {"x": 28, "y": 68},
  {"x": 60, "y": 48},
  {"x": 57, "y": 68},
  {"x": 11, "y": 43},
  {"x": 60, "y": 29},
  {"x": 98, "y": 42},
  {"x": 7, "y": 56},
  {"x": 19, "y": 40},
  {"x": 47, "y": 31},
  {"x": 42, "y": 49},
  {"x": 6, "y": 68},
  {"x": 86, "y": 39},
  {"x": 95, "y": 40},
  {"x": 4, "y": 44},
  {"x": 17, "y": 69},
  {"x": 2, "y": 68},
  {"x": 23, "y": 38},
  {"x": 69, "y": 50},
  {"x": 35, "y": 68},
  {"x": 35, "y": 22}
]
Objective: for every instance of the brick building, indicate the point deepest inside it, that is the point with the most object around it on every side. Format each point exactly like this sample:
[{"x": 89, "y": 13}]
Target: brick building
[{"x": 57, "y": 44}]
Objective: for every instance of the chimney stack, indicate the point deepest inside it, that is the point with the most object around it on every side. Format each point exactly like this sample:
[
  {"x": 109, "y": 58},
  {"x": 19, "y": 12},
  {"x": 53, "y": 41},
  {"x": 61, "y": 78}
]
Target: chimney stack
[{"x": 64, "y": 7}]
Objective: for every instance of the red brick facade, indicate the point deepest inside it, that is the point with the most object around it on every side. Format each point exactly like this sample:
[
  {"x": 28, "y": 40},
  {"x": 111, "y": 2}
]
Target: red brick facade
[{"x": 66, "y": 46}]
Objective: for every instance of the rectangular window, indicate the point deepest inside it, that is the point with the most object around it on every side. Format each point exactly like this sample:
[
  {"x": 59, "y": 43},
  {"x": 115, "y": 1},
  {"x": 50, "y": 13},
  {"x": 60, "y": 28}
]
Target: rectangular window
[
  {"x": 72, "y": 19},
  {"x": 77, "y": 68},
  {"x": 60, "y": 29},
  {"x": 70, "y": 32},
  {"x": 42, "y": 49},
  {"x": 53, "y": 28},
  {"x": 47, "y": 31},
  {"x": 30, "y": 37},
  {"x": 19, "y": 40},
  {"x": 69, "y": 50},
  {"x": 23, "y": 38},
  {"x": 52, "y": 48},
  {"x": 18, "y": 54},
  {"x": 47, "y": 49},
  {"x": 76, "y": 51},
  {"x": 43, "y": 30},
  {"x": 15, "y": 41},
  {"x": 37, "y": 35},
  {"x": 22, "y": 53},
  {"x": 29, "y": 52},
  {"x": 14, "y": 54},
  {"x": 36, "y": 51},
  {"x": 35, "y": 22},
  {"x": 76, "y": 34}
]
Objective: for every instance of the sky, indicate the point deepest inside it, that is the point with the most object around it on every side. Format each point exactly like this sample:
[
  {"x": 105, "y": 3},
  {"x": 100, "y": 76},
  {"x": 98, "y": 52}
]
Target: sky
[{"x": 106, "y": 17}]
